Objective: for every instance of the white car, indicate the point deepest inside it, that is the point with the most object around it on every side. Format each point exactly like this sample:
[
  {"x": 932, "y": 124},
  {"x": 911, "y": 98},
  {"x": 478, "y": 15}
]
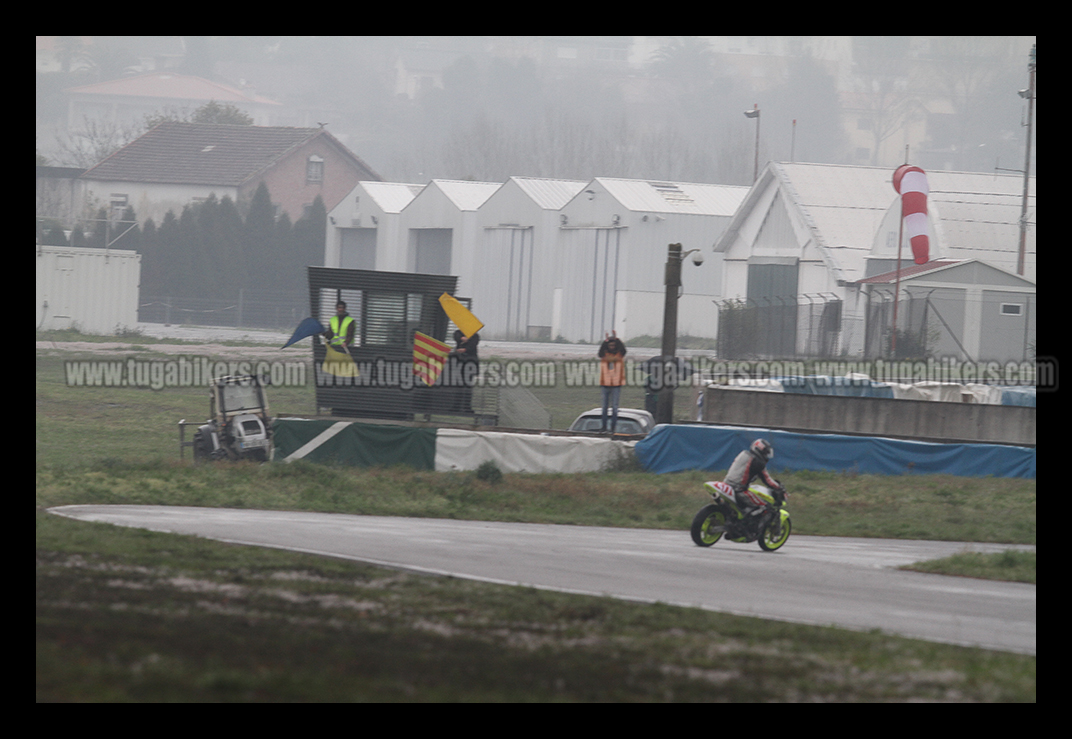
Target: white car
[{"x": 630, "y": 421}]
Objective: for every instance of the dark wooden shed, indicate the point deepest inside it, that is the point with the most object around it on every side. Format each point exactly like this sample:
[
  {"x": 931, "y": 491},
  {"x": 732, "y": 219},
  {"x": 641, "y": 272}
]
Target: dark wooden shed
[{"x": 388, "y": 308}]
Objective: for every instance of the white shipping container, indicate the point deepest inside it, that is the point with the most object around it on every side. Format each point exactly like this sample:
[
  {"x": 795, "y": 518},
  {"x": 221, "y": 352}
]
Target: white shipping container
[{"x": 93, "y": 290}]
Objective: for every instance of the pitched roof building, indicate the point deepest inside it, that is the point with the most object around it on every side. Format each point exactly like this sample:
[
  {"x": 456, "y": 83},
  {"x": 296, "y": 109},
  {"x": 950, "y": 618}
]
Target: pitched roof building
[
  {"x": 808, "y": 236},
  {"x": 177, "y": 163},
  {"x": 134, "y": 97}
]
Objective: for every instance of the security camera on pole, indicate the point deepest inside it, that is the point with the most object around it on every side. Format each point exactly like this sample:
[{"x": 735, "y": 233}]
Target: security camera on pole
[{"x": 665, "y": 407}]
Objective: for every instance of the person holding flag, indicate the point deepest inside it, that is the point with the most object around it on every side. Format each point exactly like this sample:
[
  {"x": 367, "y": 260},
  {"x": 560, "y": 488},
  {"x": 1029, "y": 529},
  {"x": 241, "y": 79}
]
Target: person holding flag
[
  {"x": 340, "y": 337},
  {"x": 341, "y": 329},
  {"x": 431, "y": 356},
  {"x": 465, "y": 366}
]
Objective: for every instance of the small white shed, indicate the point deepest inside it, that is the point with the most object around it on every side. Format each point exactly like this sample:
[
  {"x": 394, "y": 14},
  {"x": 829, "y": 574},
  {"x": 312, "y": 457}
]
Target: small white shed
[
  {"x": 92, "y": 290},
  {"x": 965, "y": 309},
  {"x": 363, "y": 230}
]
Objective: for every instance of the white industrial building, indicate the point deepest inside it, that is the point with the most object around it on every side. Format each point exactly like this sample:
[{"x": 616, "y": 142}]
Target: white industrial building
[
  {"x": 543, "y": 258},
  {"x": 808, "y": 234}
]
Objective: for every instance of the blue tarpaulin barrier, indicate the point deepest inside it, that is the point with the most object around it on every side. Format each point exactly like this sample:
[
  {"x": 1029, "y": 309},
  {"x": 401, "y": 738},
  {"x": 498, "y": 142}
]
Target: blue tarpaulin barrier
[
  {"x": 859, "y": 387},
  {"x": 845, "y": 386},
  {"x": 1024, "y": 396},
  {"x": 674, "y": 448}
]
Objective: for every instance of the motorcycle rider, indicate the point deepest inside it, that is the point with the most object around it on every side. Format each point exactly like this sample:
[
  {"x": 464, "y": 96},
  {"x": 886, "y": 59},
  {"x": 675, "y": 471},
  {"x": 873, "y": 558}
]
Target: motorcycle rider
[{"x": 747, "y": 466}]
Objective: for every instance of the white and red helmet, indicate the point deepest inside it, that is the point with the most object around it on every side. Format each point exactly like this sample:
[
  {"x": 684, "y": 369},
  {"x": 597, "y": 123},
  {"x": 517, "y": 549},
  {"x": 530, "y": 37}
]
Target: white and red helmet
[{"x": 763, "y": 449}]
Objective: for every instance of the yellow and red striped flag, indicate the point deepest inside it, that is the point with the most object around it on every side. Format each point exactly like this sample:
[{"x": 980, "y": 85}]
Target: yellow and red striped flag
[{"x": 429, "y": 356}]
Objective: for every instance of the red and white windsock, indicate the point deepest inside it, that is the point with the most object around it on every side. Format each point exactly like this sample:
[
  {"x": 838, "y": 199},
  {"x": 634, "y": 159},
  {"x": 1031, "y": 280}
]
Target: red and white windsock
[{"x": 911, "y": 183}]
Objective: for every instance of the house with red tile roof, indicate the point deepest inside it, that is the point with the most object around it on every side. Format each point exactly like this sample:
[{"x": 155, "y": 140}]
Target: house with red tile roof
[{"x": 134, "y": 97}]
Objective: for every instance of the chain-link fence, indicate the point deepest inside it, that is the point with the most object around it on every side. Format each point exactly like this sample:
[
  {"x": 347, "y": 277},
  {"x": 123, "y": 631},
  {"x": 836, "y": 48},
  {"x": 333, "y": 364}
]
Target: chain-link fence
[
  {"x": 914, "y": 333},
  {"x": 246, "y": 309},
  {"x": 781, "y": 326},
  {"x": 984, "y": 325}
]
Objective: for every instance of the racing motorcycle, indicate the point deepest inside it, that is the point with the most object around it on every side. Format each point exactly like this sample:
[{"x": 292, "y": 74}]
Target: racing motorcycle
[{"x": 769, "y": 524}]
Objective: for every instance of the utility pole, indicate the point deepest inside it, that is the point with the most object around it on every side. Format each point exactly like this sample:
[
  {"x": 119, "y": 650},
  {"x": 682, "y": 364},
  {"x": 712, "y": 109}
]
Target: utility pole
[
  {"x": 1029, "y": 93},
  {"x": 664, "y": 410}
]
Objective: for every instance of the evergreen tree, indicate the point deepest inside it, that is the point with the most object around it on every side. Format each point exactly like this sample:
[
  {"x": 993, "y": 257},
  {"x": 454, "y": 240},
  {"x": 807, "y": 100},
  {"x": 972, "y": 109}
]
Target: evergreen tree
[
  {"x": 98, "y": 230},
  {"x": 207, "y": 272},
  {"x": 78, "y": 236},
  {"x": 309, "y": 234},
  {"x": 225, "y": 245},
  {"x": 185, "y": 256},
  {"x": 152, "y": 271},
  {"x": 168, "y": 243},
  {"x": 54, "y": 235},
  {"x": 213, "y": 112},
  {"x": 307, "y": 245},
  {"x": 209, "y": 252},
  {"x": 259, "y": 248},
  {"x": 281, "y": 271}
]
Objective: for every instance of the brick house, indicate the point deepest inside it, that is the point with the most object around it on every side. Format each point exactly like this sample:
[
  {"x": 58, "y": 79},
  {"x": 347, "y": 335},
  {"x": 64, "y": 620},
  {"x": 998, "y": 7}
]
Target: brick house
[{"x": 175, "y": 164}]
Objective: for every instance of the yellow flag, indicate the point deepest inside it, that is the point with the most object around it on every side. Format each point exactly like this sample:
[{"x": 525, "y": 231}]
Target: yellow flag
[
  {"x": 463, "y": 319},
  {"x": 340, "y": 364}
]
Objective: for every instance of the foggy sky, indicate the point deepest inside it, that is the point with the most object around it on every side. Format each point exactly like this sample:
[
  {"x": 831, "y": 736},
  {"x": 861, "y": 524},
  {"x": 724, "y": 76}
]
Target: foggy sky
[{"x": 581, "y": 107}]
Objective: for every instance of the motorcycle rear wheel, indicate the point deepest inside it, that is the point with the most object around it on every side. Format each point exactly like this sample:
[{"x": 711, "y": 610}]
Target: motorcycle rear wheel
[
  {"x": 709, "y": 525},
  {"x": 768, "y": 542}
]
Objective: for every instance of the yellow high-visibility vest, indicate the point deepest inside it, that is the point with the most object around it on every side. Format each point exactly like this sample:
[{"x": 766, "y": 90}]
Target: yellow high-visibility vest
[{"x": 338, "y": 333}]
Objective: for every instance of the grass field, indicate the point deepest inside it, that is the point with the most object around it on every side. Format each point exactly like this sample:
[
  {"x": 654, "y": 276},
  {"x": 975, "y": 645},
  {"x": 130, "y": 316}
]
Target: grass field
[{"x": 129, "y": 615}]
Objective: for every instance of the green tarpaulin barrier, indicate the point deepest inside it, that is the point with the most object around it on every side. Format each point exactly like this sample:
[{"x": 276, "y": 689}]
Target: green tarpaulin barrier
[{"x": 356, "y": 444}]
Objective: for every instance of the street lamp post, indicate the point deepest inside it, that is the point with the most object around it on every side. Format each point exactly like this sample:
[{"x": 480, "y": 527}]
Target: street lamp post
[
  {"x": 664, "y": 409},
  {"x": 754, "y": 113}
]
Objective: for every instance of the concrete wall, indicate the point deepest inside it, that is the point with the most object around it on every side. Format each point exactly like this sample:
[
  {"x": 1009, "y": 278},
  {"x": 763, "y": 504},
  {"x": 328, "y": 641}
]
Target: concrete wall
[{"x": 915, "y": 419}]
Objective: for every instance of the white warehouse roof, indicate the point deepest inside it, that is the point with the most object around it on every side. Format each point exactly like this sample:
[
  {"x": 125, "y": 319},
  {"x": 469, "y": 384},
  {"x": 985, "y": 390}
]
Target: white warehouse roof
[
  {"x": 467, "y": 195},
  {"x": 657, "y": 196},
  {"x": 391, "y": 197},
  {"x": 547, "y": 193}
]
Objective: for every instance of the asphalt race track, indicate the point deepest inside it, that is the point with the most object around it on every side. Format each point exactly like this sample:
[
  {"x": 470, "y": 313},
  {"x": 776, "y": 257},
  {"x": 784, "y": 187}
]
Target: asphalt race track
[{"x": 814, "y": 580}]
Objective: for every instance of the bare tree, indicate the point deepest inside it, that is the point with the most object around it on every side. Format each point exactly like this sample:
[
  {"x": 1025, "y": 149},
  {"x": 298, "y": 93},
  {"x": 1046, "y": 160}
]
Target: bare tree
[{"x": 93, "y": 141}]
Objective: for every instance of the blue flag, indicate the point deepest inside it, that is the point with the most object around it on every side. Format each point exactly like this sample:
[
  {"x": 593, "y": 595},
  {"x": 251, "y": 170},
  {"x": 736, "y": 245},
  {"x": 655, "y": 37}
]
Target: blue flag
[{"x": 308, "y": 327}]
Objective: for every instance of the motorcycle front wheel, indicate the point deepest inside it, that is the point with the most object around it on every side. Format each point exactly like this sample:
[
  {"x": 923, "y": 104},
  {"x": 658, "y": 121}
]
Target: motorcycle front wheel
[
  {"x": 708, "y": 525},
  {"x": 770, "y": 541}
]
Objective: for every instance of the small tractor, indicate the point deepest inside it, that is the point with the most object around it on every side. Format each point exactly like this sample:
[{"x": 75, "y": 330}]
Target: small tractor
[{"x": 240, "y": 427}]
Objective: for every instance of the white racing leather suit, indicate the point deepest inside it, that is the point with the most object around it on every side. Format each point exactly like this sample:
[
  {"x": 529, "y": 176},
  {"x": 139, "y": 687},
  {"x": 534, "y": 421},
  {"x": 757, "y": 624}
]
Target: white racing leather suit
[{"x": 746, "y": 467}]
